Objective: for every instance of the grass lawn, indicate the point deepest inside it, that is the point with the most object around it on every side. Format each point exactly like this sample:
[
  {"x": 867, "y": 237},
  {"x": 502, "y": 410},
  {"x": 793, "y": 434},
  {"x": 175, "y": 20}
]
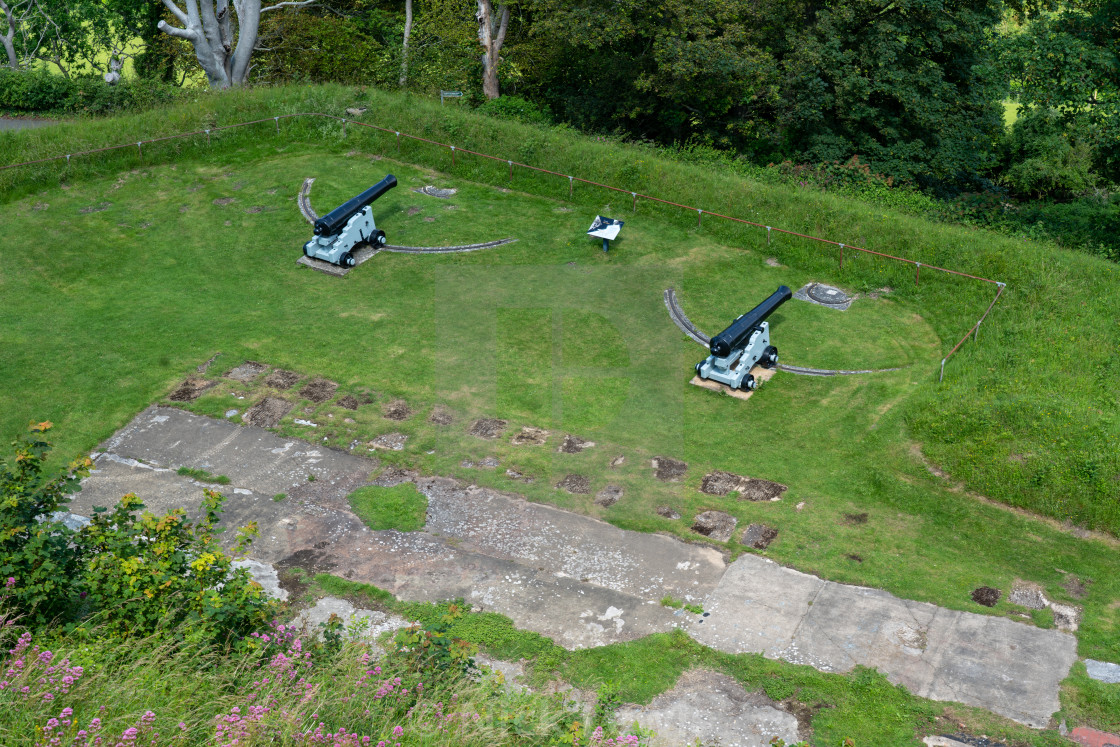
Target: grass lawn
[{"x": 128, "y": 282}]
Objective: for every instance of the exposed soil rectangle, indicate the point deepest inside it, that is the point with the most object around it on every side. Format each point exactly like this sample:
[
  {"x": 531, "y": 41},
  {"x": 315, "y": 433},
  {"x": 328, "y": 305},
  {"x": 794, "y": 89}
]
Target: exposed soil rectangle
[
  {"x": 608, "y": 496},
  {"x": 759, "y": 536},
  {"x": 350, "y": 402},
  {"x": 441, "y": 416},
  {"x": 488, "y": 427},
  {"x": 190, "y": 389},
  {"x": 397, "y": 410},
  {"x": 749, "y": 488},
  {"x": 574, "y": 445},
  {"x": 318, "y": 390},
  {"x": 577, "y": 484},
  {"x": 530, "y": 436},
  {"x": 247, "y": 371},
  {"x": 715, "y": 525},
  {"x": 669, "y": 470},
  {"x": 267, "y": 412},
  {"x": 281, "y": 379}
]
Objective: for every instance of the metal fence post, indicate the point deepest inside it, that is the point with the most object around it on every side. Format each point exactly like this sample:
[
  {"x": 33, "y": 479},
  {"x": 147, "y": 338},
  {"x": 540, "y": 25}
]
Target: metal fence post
[
  {"x": 634, "y": 207},
  {"x": 452, "y": 155},
  {"x": 768, "y": 236},
  {"x": 277, "y": 124},
  {"x": 510, "y": 169},
  {"x": 918, "y": 272},
  {"x": 841, "y": 256},
  {"x": 208, "y": 137},
  {"x": 699, "y": 217},
  {"x": 570, "y": 187}
]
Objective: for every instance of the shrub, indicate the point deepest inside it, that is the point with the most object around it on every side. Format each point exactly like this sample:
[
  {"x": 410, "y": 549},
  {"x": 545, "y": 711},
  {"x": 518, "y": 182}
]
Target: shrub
[
  {"x": 517, "y": 109},
  {"x": 41, "y": 91},
  {"x": 1048, "y": 158},
  {"x": 138, "y": 573},
  {"x": 38, "y": 552}
]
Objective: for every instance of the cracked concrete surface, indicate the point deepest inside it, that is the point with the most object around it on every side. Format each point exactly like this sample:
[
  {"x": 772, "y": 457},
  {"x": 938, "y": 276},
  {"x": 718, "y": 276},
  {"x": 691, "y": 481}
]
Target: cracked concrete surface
[{"x": 578, "y": 580}]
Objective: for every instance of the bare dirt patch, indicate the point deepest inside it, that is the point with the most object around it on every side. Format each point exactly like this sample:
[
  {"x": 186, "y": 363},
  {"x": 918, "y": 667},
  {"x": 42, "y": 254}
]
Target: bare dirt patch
[
  {"x": 254, "y": 209},
  {"x": 393, "y": 475},
  {"x": 397, "y": 410},
  {"x": 668, "y": 470},
  {"x": 488, "y": 427},
  {"x": 223, "y": 201},
  {"x": 529, "y": 436},
  {"x": 749, "y": 488},
  {"x": 618, "y": 461},
  {"x": 441, "y": 416},
  {"x": 854, "y": 557},
  {"x": 668, "y": 512},
  {"x": 281, "y": 379},
  {"x": 759, "y": 536},
  {"x": 414, "y": 210},
  {"x": 189, "y": 390},
  {"x": 389, "y": 441},
  {"x": 267, "y": 412},
  {"x": 247, "y": 371},
  {"x": 350, "y": 402},
  {"x": 986, "y": 596},
  {"x": 576, "y": 484},
  {"x": 99, "y": 207},
  {"x": 773, "y": 262},
  {"x": 318, "y": 390},
  {"x": 715, "y": 525},
  {"x": 855, "y": 519},
  {"x": 312, "y": 561},
  {"x": 40, "y": 206},
  {"x": 1076, "y": 586},
  {"x": 608, "y": 496},
  {"x": 574, "y": 445}
]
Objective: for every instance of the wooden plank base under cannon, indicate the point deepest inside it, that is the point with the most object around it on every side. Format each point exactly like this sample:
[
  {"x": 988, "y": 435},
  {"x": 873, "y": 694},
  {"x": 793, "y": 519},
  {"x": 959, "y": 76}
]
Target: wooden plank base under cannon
[
  {"x": 360, "y": 255},
  {"x": 760, "y": 374}
]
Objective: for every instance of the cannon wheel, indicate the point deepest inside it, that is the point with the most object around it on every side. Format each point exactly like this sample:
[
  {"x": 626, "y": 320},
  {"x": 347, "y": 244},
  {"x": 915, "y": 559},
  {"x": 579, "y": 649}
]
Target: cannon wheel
[
  {"x": 346, "y": 260},
  {"x": 747, "y": 384},
  {"x": 377, "y": 240},
  {"x": 699, "y": 366},
  {"x": 769, "y": 357}
]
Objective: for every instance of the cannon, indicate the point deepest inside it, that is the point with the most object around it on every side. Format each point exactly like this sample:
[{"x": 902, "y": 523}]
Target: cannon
[
  {"x": 349, "y": 224},
  {"x": 745, "y": 343}
]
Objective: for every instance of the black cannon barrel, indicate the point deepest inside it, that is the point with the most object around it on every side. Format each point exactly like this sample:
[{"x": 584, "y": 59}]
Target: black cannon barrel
[
  {"x": 739, "y": 331},
  {"x": 332, "y": 222}
]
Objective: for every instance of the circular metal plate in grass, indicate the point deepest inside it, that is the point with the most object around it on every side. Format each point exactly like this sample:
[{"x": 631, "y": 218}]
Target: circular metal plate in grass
[{"x": 828, "y": 295}]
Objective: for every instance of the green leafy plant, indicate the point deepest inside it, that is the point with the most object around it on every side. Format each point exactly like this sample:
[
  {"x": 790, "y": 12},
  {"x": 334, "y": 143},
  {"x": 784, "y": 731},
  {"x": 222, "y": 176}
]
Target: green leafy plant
[
  {"x": 36, "y": 549},
  {"x": 668, "y": 601},
  {"x": 432, "y": 647}
]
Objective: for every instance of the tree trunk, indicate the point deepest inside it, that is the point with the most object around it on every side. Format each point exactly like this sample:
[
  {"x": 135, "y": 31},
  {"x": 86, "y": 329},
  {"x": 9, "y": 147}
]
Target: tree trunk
[
  {"x": 9, "y": 36},
  {"x": 207, "y": 25},
  {"x": 404, "y": 45},
  {"x": 491, "y": 35}
]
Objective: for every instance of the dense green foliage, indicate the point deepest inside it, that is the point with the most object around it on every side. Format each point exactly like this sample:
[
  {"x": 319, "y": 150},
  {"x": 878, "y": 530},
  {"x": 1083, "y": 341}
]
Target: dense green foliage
[
  {"x": 43, "y": 92},
  {"x": 135, "y": 574}
]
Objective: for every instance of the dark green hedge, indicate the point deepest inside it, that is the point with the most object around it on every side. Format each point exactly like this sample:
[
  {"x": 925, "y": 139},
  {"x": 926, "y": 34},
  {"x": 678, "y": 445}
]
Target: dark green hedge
[{"x": 42, "y": 92}]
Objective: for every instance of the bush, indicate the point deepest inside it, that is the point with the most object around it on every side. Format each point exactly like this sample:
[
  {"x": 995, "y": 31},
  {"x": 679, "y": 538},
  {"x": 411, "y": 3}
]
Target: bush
[
  {"x": 1047, "y": 158},
  {"x": 517, "y": 109},
  {"x": 41, "y": 91},
  {"x": 136, "y": 573}
]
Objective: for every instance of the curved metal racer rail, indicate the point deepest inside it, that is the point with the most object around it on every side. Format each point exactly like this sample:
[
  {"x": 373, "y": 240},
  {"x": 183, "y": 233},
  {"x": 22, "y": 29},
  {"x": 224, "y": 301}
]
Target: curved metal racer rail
[
  {"x": 309, "y": 214},
  {"x": 685, "y": 324}
]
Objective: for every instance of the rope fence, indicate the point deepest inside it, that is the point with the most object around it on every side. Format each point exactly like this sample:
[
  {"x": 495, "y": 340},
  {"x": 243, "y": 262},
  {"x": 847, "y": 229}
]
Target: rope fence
[{"x": 635, "y": 196}]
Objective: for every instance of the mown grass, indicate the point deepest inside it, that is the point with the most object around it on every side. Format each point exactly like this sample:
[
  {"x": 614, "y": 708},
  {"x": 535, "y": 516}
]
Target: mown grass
[
  {"x": 1026, "y": 416},
  {"x": 401, "y": 507},
  {"x": 110, "y": 313}
]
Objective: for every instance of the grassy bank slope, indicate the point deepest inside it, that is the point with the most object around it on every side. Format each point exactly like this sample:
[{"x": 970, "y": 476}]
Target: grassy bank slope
[{"x": 1025, "y": 416}]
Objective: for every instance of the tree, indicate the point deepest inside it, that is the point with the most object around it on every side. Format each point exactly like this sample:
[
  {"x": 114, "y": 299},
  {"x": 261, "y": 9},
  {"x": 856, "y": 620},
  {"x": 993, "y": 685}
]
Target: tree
[
  {"x": 404, "y": 43},
  {"x": 492, "y": 29},
  {"x": 209, "y": 27},
  {"x": 910, "y": 86},
  {"x": 668, "y": 70},
  {"x": 1068, "y": 60}
]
